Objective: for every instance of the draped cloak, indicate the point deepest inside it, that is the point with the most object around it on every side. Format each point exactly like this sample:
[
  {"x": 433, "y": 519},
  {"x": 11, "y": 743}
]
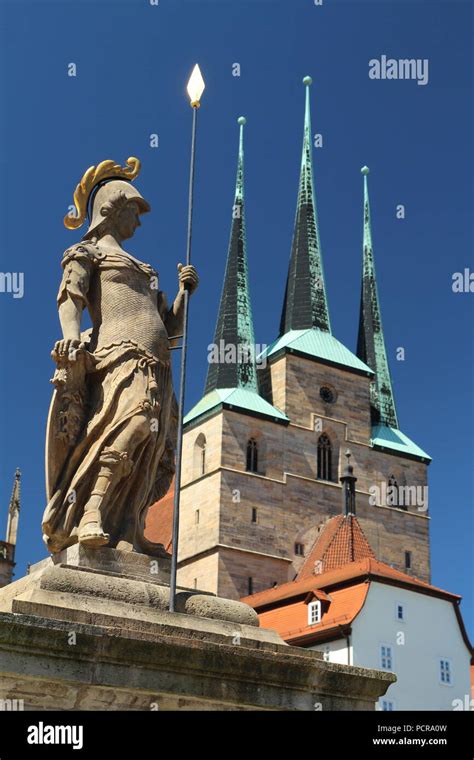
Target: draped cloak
[{"x": 128, "y": 373}]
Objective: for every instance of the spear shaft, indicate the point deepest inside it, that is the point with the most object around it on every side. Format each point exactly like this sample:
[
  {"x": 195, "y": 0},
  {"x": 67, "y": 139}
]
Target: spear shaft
[{"x": 182, "y": 381}]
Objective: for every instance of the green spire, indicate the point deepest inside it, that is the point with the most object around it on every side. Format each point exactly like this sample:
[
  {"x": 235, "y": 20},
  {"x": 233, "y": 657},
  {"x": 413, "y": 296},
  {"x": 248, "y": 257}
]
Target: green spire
[
  {"x": 305, "y": 305},
  {"x": 233, "y": 363},
  {"x": 370, "y": 342}
]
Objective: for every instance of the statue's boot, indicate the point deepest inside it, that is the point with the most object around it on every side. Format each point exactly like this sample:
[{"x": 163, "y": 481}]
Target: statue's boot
[
  {"x": 91, "y": 533},
  {"x": 113, "y": 466}
]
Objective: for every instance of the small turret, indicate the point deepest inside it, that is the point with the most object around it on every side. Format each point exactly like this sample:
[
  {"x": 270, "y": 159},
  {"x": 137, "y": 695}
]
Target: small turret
[
  {"x": 348, "y": 480},
  {"x": 7, "y": 547}
]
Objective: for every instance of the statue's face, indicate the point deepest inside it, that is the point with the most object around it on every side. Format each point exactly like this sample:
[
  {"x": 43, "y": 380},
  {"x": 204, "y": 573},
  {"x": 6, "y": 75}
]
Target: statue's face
[{"x": 127, "y": 220}]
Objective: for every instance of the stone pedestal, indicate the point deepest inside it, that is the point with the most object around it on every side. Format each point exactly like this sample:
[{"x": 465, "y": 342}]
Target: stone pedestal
[{"x": 91, "y": 629}]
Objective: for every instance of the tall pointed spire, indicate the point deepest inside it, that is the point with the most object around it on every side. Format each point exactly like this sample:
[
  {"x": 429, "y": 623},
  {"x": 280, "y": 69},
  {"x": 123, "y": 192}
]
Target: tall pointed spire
[
  {"x": 370, "y": 342},
  {"x": 232, "y": 365},
  {"x": 305, "y": 305},
  {"x": 14, "y": 510}
]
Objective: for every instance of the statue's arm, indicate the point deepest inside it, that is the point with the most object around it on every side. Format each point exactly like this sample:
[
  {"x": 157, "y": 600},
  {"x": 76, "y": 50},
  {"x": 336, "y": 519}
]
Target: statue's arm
[
  {"x": 70, "y": 313},
  {"x": 72, "y": 296},
  {"x": 174, "y": 316},
  {"x": 188, "y": 280}
]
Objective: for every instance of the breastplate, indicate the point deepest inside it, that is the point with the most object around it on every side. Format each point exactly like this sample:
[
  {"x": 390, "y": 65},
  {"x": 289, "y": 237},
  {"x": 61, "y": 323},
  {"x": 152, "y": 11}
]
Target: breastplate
[{"x": 123, "y": 306}]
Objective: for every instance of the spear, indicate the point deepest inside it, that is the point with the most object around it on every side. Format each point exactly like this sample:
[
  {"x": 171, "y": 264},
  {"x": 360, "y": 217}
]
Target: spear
[{"x": 195, "y": 89}]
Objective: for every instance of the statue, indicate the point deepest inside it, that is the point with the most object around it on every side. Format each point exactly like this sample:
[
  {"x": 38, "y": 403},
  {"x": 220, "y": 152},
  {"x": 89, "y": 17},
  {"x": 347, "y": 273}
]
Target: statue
[{"x": 112, "y": 422}]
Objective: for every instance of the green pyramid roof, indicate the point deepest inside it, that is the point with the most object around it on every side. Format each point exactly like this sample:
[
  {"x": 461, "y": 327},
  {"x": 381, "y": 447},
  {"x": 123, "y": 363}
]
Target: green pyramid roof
[
  {"x": 236, "y": 398},
  {"x": 385, "y": 437},
  {"x": 320, "y": 345}
]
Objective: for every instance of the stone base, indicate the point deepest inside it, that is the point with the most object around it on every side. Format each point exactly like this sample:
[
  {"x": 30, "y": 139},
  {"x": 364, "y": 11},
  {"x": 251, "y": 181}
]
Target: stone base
[{"x": 91, "y": 629}]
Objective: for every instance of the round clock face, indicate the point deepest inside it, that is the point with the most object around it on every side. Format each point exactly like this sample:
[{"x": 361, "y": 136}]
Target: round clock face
[{"x": 327, "y": 395}]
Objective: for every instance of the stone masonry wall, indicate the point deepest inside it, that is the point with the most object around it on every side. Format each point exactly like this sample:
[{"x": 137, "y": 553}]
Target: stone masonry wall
[{"x": 291, "y": 504}]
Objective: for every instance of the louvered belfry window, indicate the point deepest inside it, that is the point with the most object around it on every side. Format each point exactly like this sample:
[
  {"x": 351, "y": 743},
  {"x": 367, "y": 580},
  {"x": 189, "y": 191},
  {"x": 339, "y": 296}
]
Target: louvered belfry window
[
  {"x": 252, "y": 455},
  {"x": 324, "y": 458}
]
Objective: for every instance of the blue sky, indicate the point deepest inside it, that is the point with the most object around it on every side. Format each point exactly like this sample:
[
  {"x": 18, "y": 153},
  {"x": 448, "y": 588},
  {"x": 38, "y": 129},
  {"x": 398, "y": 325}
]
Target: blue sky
[{"x": 133, "y": 61}]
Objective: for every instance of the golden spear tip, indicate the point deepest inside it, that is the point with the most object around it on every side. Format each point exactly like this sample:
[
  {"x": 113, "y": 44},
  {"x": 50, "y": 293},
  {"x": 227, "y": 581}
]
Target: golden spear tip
[{"x": 195, "y": 87}]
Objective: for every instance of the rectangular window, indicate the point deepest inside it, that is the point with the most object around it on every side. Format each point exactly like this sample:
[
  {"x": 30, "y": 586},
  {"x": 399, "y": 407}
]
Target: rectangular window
[
  {"x": 195, "y": 583},
  {"x": 196, "y": 517},
  {"x": 400, "y": 611},
  {"x": 314, "y": 613},
  {"x": 408, "y": 560},
  {"x": 386, "y": 657},
  {"x": 387, "y": 704},
  {"x": 299, "y": 550},
  {"x": 254, "y": 515},
  {"x": 326, "y": 652},
  {"x": 250, "y": 586},
  {"x": 445, "y": 672}
]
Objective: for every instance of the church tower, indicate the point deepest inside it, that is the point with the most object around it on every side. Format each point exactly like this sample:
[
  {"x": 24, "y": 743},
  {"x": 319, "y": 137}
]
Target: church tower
[
  {"x": 263, "y": 450},
  {"x": 7, "y": 547},
  {"x": 231, "y": 437}
]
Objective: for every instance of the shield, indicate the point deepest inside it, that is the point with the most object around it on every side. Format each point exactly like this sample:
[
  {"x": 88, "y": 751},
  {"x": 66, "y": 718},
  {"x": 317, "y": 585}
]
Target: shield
[{"x": 67, "y": 411}]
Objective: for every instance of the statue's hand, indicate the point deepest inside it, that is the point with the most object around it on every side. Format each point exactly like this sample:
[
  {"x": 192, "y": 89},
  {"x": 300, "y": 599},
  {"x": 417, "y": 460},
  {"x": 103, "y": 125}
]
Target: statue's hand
[
  {"x": 66, "y": 349},
  {"x": 188, "y": 278}
]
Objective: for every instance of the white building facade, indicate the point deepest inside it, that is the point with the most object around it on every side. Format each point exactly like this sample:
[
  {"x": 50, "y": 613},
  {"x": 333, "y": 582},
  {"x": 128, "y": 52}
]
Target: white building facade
[{"x": 416, "y": 635}]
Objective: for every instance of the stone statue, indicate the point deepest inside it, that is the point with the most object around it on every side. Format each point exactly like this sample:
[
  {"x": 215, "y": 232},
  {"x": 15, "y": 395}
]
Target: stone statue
[{"x": 112, "y": 422}]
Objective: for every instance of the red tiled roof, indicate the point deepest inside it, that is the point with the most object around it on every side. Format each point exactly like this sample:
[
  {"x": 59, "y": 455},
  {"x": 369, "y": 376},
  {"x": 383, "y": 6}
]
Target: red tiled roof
[
  {"x": 285, "y": 608},
  {"x": 159, "y": 520},
  {"x": 341, "y": 540},
  {"x": 369, "y": 569},
  {"x": 345, "y": 557},
  {"x": 291, "y": 619}
]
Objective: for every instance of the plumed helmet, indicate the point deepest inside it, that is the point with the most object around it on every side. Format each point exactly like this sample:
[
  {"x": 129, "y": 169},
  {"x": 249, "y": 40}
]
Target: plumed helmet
[
  {"x": 109, "y": 198},
  {"x": 105, "y": 188}
]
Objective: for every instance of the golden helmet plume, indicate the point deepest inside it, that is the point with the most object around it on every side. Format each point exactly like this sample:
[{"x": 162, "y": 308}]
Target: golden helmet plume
[{"x": 93, "y": 176}]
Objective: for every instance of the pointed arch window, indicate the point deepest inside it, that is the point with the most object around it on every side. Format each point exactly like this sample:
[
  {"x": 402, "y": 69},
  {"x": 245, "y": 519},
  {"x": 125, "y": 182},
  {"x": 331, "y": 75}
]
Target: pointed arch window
[
  {"x": 324, "y": 458},
  {"x": 252, "y": 455},
  {"x": 394, "y": 494},
  {"x": 199, "y": 456}
]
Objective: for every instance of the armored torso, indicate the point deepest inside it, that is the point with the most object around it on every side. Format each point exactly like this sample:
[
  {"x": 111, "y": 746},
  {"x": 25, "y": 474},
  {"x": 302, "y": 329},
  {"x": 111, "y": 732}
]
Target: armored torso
[{"x": 121, "y": 294}]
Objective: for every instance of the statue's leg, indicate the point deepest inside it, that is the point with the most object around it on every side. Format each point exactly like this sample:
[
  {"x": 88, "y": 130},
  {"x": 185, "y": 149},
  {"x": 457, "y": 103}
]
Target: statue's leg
[
  {"x": 111, "y": 469},
  {"x": 114, "y": 464}
]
